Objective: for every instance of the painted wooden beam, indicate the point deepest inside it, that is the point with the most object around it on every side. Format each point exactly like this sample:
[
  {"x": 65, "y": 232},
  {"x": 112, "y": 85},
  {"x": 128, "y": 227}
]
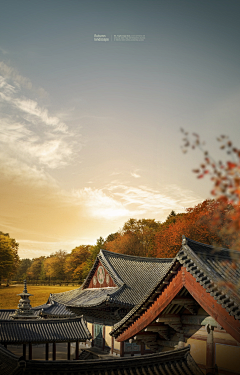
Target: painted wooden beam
[
  {"x": 182, "y": 279},
  {"x": 210, "y": 305}
]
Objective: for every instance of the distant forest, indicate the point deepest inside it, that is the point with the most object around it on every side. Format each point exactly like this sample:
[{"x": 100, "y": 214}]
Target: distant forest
[{"x": 145, "y": 237}]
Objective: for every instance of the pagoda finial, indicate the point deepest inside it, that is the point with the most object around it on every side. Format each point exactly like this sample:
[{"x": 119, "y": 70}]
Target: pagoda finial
[
  {"x": 25, "y": 287},
  {"x": 24, "y": 310}
]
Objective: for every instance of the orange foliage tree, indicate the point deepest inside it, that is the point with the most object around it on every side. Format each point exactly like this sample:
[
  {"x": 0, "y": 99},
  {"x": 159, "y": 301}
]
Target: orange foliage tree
[
  {"x": 135, "y": 238},
  {"x": 197, "y": 224}
]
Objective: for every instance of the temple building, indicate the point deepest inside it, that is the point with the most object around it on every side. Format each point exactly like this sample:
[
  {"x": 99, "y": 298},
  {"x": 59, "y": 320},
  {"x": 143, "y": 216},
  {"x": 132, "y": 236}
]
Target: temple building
[
  {"x": 115, "y": 284},
  {"x": 25, "y": 328},
  {"x": 196, "y": 302},
  {"x": 163, "y": 316}
]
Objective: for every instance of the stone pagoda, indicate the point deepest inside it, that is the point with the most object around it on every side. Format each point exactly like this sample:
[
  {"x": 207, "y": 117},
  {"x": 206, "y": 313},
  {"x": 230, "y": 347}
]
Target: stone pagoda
[{"x": 24, "y": 310}]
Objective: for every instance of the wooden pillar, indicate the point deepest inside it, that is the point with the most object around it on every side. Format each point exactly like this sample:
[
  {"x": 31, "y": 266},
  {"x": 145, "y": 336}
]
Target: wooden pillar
[
  {"x": 54, "y": 351},
  {"x": 24, "y": 351},
  {"x": 92, "y": 344},
  {"x": 30, "y": 350},
  {"x": 142, "y": 348},
  {"x": 112, "y": 344},
  {"x": 210, "y": 360},
  {"x": 47, "y": 352},
  {"x": 103, "y": 333},
  {"x": 121, "y": 349},
  {"x": 77, "y": 350},
  {"x": 69, "y": 351}
]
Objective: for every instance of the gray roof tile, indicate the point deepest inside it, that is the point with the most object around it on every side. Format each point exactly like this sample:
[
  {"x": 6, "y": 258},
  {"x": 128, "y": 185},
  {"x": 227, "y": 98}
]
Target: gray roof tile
[
  {"x": 134, "y": 277},
  {"x": 21, "y": 331}
]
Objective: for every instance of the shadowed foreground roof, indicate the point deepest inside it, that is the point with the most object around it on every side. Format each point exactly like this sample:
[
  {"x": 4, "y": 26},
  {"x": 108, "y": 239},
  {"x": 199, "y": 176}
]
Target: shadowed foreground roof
[
  {"x": 177, "y": 361},
  {"x": 43, "y": 330},
  {"x": 132, "y": 275},
  {"x": 221, "y": 269},
  {"x": 217, "y": 270}
]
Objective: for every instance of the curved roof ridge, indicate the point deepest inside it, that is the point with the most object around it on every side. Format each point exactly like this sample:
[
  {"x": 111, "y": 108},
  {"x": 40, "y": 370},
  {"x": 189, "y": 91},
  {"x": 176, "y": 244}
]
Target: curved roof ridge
[
  {"x": 217, "y": 249},
  {"x": 44, "y": 321},
  {"x": 135, "y": 257}
]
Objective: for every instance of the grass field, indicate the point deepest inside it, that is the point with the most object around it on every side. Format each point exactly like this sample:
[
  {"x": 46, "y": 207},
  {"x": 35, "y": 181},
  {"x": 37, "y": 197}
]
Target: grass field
[{"x": 9, "y": 298}]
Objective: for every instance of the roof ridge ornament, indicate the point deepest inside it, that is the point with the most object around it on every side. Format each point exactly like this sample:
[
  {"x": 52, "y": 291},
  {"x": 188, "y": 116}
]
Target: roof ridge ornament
[{"x": 184, "y": 240}]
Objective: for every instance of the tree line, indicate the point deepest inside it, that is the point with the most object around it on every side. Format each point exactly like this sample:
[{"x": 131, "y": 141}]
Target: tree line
[{"x": 144, "y": 237}]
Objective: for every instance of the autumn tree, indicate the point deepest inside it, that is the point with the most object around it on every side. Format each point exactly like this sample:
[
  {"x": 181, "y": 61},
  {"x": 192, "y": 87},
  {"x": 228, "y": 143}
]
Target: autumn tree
[
  {"x": 197, "y": 224},
  {"x": 135, "y": 238},
  {"x": 76, "y": 266},
  {"x": 54, "y": 265},
  {"x": 9, "y": 258}
]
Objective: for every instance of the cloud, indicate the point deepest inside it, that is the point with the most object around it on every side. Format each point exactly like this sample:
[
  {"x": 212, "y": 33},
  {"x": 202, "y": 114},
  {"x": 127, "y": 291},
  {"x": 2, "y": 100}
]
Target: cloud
[
  {"x": 9, "y": 72},
  {"x": 98, "y": 204},
  {"x": 144, "y": 201},
  {"x": 28, "y": 132},
  {"x": 135, "y": 174}
]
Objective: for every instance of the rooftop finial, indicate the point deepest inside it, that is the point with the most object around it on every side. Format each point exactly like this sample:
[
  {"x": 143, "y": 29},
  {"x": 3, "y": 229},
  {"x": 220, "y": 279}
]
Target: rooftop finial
[{"x": 184, "y": 241}]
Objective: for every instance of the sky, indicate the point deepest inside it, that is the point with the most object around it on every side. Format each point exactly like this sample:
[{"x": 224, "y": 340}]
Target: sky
[{"x": 90, "y": 129}]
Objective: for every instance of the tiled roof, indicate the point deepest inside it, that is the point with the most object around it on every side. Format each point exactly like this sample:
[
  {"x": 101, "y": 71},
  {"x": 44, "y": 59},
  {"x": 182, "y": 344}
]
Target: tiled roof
[
  {"x": 51, "y": 310},
  {"x": 56, "y": 310},
  {"x": 213, "y": 268},
  {"x": 9, "y": 363},
  {"x": 134, "y": 277},
  {"x": 5, "y": 313},
  {"x": 43, "y": 330},
  {"x": 217, "y": 270},
  {"x": 171, "y": 362}
]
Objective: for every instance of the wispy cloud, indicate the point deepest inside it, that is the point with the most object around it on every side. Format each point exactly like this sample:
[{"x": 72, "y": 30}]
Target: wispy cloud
[
  {"x": 99, "y": 204},
  {"x": 145, "y": 201},
  {"x": 135, "y": 174},
  {"x": 28, "y": 132},
  {"x": 11, "y": 73}
]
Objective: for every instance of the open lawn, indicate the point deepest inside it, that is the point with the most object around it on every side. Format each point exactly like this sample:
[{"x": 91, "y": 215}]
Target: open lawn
[{"x": 9, "y": 298}]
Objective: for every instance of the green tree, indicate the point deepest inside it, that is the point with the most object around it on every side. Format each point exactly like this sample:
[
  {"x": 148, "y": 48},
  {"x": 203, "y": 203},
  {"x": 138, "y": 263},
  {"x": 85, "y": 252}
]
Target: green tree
[
  {"x": 35, "y": 271},
  {"x": 23, "y": 267},
  {"x": 9, "y": 258}
]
